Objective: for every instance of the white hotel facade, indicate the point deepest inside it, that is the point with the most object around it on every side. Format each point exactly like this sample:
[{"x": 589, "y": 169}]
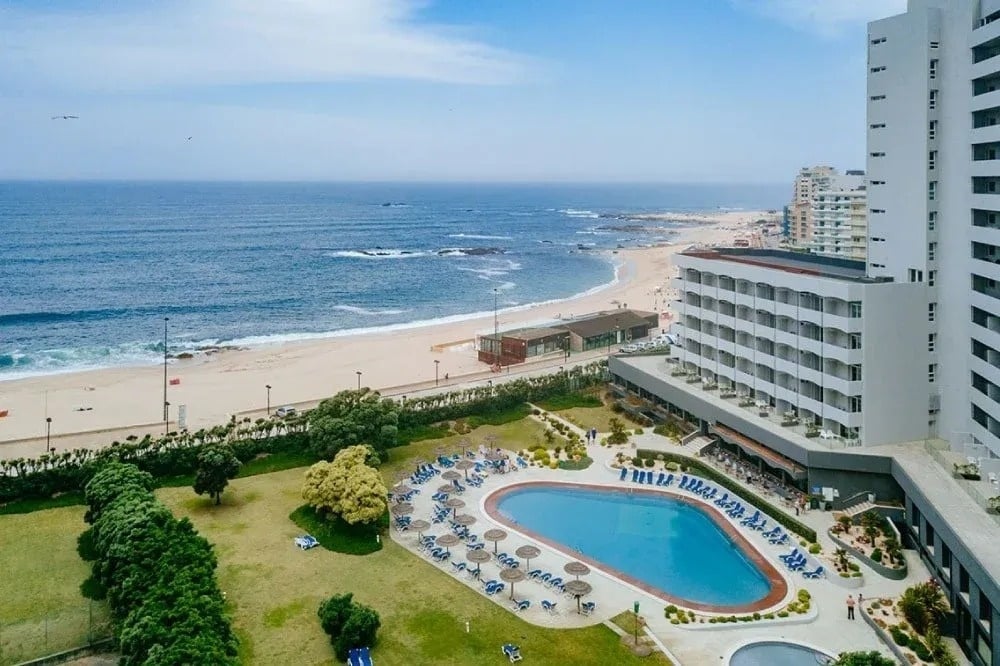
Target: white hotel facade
[{"x": 875, "y": 378}]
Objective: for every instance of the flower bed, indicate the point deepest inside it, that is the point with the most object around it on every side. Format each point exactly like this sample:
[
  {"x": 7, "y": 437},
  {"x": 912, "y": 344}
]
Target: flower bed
[
  {"x": 874, "y": 541},
  {"x": 908, "y": 625},
  {"x": 679, "y": 616}
]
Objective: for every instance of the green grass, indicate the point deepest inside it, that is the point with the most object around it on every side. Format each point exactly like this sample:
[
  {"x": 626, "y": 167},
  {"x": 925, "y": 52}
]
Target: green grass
[
  {"x": 499, "y": 418},
  {"x": 336, "y": 535},
  {"x": 592, "y": 417},
  {"x": 420, "y": 433},
  {"x": 31, "y": 505},
  {"x": 576, "y": 465},
  {"x": 41, "y": 608}
]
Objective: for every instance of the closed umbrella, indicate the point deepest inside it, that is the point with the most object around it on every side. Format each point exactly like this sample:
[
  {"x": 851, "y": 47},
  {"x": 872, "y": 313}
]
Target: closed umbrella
[
  {"x": 578, "y": 588},
  {"x": 479, "y": 556},
  {"x": 577, "y": 569},
  {"x": 454, "y": 504},
  {"x": 402, "y": 509},
  {"x": 527, "y": 552},
  {"x": 495, "y": 535},
  {"x": 419, "y": 526},
  {"x": 465, "y": 465},
  {"x": 447, "y": 540},
  {"x": 512, "y": 576},
  {"x": 464, "y": 519}
]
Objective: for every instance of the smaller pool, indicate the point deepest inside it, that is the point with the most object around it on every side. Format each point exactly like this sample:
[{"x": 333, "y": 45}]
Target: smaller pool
[{"x": 775, "y": 653}]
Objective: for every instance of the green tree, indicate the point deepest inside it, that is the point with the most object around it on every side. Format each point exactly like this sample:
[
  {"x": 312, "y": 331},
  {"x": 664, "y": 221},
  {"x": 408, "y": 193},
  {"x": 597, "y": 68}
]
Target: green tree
[
  {"x": 333, "y": 614},
  {"x": 111, "y": 481},
  {"x": 216, "y": 465},
  {"x": 350, "y": 418},
  {"x": 871, "y": 523},
  {"x": 364, "y": 498},
  {"x": 872, "y": 658},
  {"x": 326, "y": 483},
  {"x": 618, "y": 433},
  {"x": 923, "y": 605},
  {"x": 359, "y": 631}
]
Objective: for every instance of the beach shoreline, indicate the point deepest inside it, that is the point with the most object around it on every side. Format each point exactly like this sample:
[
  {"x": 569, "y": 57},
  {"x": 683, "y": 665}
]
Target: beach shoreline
[{"x": 214, "y": 386}]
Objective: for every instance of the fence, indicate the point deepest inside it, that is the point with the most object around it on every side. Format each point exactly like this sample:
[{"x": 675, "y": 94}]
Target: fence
[
  {"x": 974, "y": 489},
  {"x": 45, "y": 634}
]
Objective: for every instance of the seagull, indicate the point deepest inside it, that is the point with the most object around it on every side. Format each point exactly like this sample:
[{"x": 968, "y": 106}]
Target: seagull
[
  {"x": 65, "y": 117},
  {"x": 189, "y": 138}
]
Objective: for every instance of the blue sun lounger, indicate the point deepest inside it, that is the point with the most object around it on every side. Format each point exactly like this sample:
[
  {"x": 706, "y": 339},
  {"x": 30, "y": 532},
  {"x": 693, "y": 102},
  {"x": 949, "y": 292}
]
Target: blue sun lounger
[
  {"x": 511, "y": 651},
  {"x": 359, "y": 657},
  {"x": 624, "y": 473}
]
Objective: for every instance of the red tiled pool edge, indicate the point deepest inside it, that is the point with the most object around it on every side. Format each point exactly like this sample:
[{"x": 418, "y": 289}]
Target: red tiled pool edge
[{"x": 779, "y": 587}]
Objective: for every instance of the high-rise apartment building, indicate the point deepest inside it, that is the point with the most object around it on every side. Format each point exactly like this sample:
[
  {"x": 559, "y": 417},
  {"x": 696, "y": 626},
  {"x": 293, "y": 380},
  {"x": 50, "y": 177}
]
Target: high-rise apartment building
[{"x": 828, "y": 212}]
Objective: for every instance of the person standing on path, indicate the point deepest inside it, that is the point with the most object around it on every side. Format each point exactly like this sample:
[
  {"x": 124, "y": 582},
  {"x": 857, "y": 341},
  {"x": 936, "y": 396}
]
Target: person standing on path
[{"x": 850, "y": 607}]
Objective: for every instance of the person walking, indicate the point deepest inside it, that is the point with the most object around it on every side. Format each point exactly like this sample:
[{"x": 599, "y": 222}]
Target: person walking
[{"x": 850, "y": 607}]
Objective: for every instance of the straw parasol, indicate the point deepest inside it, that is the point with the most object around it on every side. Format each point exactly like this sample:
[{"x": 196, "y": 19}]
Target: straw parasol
[
  {"x": 446, "y": 488},
  {"x": 402, "y": 475},
  {"x": 419, "y": 526},
  {"x": 464, "y": 519},
  {"x": 527, "y": 552},
  {"x": 451, "y": 475},
  {"x": 478, "y": 556},
  {"x": 454, "y": 504},
  {"x": 577, "y": 569},
  {"x": 512, "y": 576},
  {"x": 465, "y": 465},
  {"x": 402, "y": 509},
  {"x": 492, "y": 454},
  {"x": 401, "y": 489},
  {"x": 578, "y": 588},
  {"x": 447, "y": 540},
  {"x": 495, "y": 535},
  {"x": 465, "y": 444}
]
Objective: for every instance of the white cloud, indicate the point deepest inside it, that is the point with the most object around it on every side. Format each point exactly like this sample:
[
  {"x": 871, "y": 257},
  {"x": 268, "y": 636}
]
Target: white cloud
[
  {"x": 211, "y": 42},
  {"x": 826, "y": 17}
]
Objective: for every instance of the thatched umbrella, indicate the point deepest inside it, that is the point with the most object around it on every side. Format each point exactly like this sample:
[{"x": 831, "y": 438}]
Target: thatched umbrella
[
  {"x": 401, "y": 475},
  {"x": 495, "y": 535},
  {"x": 527, "y": 552},
  {"x": 478, "y": 556},
  {"x": 493, "y": 455},
  {"x": 465, "y": 465},
  {"x": 464, "y": 520},
  {"x": 454, "y": 504},
  {"x": 577, "y": 569},
  {"x": 578, "y": 588},
  {"x": 447, "y": 540},
  {"x": 451, "y": 475},
  {"x": 419, "y": 526},
  {"x": 401, "y": 489},
  {"x": 402, "y": 509},
  {"x": 446, "y": 488},
  {"x": 512, "y": 576}
]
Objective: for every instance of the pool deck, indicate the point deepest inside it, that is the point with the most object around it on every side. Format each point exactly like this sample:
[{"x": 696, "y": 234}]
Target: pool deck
[{"x": 826, "y": 625}]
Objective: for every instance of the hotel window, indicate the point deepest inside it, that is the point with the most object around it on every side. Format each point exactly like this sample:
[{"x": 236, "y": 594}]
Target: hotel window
[
  {"x": 932, "y": 130},
  {"x": 854, "y": 341},
  {"x": 877, "y": 98},
  {"x": 855, "y": 404},
  {"x": 931, "y": 341},
  {"x": 931, "y": 278},
  {"x": 929, "y": 535},
  {"x": 932, "y": 69},
  {"x": 855, "y": 309},
  {"x": 877, "y": 211},
  {"x": 877, "y": 182},
  {"x": 932, "y": 190},
  {"x": 877, "y": 154},
  {"x": 931, "y": 311},
  {"x": 934, "y": 45},
  {"x": 876, "y": 70},
  {"x": 931, "y": 251},
  {"x": 931, "y": 160},
  {"x": 932, "y": 100},
  {"x": 878, "y": 40},
  {"x": 931, "y": 220},
  {"x": 855, "y": 373},
  {"x": 931, "y": 372},
  {"x": 877, "y": 126}
]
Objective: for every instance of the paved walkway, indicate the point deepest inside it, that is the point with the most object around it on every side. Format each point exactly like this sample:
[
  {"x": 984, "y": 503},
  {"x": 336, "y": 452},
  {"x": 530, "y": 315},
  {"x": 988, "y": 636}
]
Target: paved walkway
[{"x": 826, "y": 626}]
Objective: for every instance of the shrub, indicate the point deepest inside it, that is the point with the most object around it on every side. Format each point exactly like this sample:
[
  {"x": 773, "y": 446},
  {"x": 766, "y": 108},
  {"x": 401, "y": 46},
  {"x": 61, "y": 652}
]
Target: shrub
[
  {"x": 672, "y": 466},
  {"x": 854, "y": 566},
  {"x": 899, "y": 636},
  {"x": 877, "y": 555},
  {"x": 359, "y": 631},
  {"x": 782, "y": 613},
  {"x": 637, "y": 431},
  {"x": 670, "y": 610},
  {"x": 803, "y": 595},
  {"x": 814, "y": 548},
  {"x": 648, "y": 462}
]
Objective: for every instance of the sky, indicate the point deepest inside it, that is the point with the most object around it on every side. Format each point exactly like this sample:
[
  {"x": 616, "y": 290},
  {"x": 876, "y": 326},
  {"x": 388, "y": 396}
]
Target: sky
[{"x": 436, "y": 90}]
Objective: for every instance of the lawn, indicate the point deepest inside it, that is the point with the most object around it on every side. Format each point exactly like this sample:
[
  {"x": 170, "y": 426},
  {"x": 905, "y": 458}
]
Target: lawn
[
  {"x": 592, "y": 417},
  {"x": 274, "y": 590},
  {"x": 41, "y": 608}
]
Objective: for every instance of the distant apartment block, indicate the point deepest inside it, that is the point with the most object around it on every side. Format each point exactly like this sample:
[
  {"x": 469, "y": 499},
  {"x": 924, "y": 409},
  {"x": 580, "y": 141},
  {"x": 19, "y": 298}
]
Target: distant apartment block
[{"x": 829, "y": 213}]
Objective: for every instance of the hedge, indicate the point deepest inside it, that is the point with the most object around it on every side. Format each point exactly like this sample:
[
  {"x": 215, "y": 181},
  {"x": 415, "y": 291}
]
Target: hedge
[{"x": 715, "y": 475}]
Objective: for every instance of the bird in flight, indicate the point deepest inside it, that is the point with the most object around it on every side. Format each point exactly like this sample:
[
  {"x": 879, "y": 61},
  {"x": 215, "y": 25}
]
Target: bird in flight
[
  {"x": 65, "y": 117},
  {"x": 189, "y": 138}
]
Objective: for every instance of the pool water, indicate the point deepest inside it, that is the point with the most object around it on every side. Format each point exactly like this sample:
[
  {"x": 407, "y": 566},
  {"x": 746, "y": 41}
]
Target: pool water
[
  {"x": 663, "y": 542},
  {"x": 778, "y": 654}
]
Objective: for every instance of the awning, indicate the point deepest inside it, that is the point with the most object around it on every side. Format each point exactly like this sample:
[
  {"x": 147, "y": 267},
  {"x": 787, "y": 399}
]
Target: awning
[{"x": 754, "y": 448}]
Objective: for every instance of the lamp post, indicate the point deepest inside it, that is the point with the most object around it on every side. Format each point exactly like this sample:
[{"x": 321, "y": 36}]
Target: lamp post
[
  {"x": 268, "y": 387},
  {"x": 165, "y": 403},
  {"x": 358, "y": 373},
  {"x": 48, "y": 434},
  {"x": 437, "y": 364},
  {"x": 166, "y": 418}
]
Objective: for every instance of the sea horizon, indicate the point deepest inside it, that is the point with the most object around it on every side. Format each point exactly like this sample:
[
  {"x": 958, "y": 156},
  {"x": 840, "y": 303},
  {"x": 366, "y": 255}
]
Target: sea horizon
[{"x": 95, "y": 266}]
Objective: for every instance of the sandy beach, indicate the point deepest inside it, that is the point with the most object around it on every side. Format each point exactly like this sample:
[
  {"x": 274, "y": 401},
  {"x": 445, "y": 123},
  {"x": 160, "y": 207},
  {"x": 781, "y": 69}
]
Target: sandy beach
[{"x": 212, "y": 387}]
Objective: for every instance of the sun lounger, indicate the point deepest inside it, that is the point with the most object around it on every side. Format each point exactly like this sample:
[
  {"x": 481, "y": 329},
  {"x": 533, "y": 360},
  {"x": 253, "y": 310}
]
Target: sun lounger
[
  {"x": 624, "y": 473},
  {"x": 770, "y": 534},
  {"x": 359, "y": 657},
  {"x": 459, "y": 566},
  {"x": 519, "y": 606},
  {"x": 684, "y": 481},
  {"x": 761, "y": 525},
  {"x": 549, "y": 606},
  {"x": 306, "y": 542},
  {"x": 588, "y": 607},
  {"x": 511, "y": 651},
  {"x": 544, "y": 578},
  {"x": 818, "y": 572},
  {"x": 649, "y": 478},
  {"x": 670, "y": 479},
  {"x": 779, "y": 540},
  {"x": 789, "y": 556},
  {"x": 635, "y": 475},
  {"x": 552, "y": 582},
  {"x": 534, "y": 573}
]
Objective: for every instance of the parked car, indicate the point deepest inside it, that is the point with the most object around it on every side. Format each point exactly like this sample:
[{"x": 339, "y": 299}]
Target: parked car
[{"x": 282, "y": 412}]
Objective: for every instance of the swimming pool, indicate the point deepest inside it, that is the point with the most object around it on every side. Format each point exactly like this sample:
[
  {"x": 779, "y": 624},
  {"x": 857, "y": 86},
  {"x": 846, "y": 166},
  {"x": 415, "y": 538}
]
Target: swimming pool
[
  {"x": 666, "y": 545},
  {"x": 776, "y": 653}
]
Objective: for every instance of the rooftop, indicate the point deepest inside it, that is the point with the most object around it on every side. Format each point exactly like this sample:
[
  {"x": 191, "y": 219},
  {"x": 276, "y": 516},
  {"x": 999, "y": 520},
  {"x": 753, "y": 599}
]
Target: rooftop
[{"x": 801, "y": 263}]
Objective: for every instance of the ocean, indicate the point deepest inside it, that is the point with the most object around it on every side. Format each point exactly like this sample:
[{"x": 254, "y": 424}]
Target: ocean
[{"x": 88, "y": 271}]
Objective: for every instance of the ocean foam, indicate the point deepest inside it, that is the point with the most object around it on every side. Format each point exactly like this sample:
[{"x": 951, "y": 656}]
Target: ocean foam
[
  {"x": 480, "y": 237},
  {"x": 573, "y": 212},
  {"x": 366, "y": 311}
]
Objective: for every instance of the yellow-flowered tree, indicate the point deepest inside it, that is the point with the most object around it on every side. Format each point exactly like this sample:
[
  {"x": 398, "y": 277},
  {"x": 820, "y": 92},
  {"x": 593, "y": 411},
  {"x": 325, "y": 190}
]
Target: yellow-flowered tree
[{"x": 347, "y": 487}]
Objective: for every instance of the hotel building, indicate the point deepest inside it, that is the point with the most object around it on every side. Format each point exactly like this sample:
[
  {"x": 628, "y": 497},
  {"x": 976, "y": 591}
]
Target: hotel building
[{"x": 854, "y": 378}]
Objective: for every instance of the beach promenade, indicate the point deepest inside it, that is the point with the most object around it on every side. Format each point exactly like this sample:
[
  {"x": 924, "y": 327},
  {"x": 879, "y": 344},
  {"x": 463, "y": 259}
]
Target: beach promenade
[{"x": 110, "y": 403}]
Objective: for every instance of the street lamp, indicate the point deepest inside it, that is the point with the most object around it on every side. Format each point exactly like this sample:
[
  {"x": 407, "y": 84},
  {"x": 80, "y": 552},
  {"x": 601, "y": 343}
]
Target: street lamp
[
  {"x": 358, "y": 373},
  {"x": 268, "y": 387},
  {"x": 166, "y": 418},
  {"x": 48, "y": 434},
  {"x": 496, "y": 325},
  {"x": 165, "y": 403},
  {"x": 437, "y": 364}
]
